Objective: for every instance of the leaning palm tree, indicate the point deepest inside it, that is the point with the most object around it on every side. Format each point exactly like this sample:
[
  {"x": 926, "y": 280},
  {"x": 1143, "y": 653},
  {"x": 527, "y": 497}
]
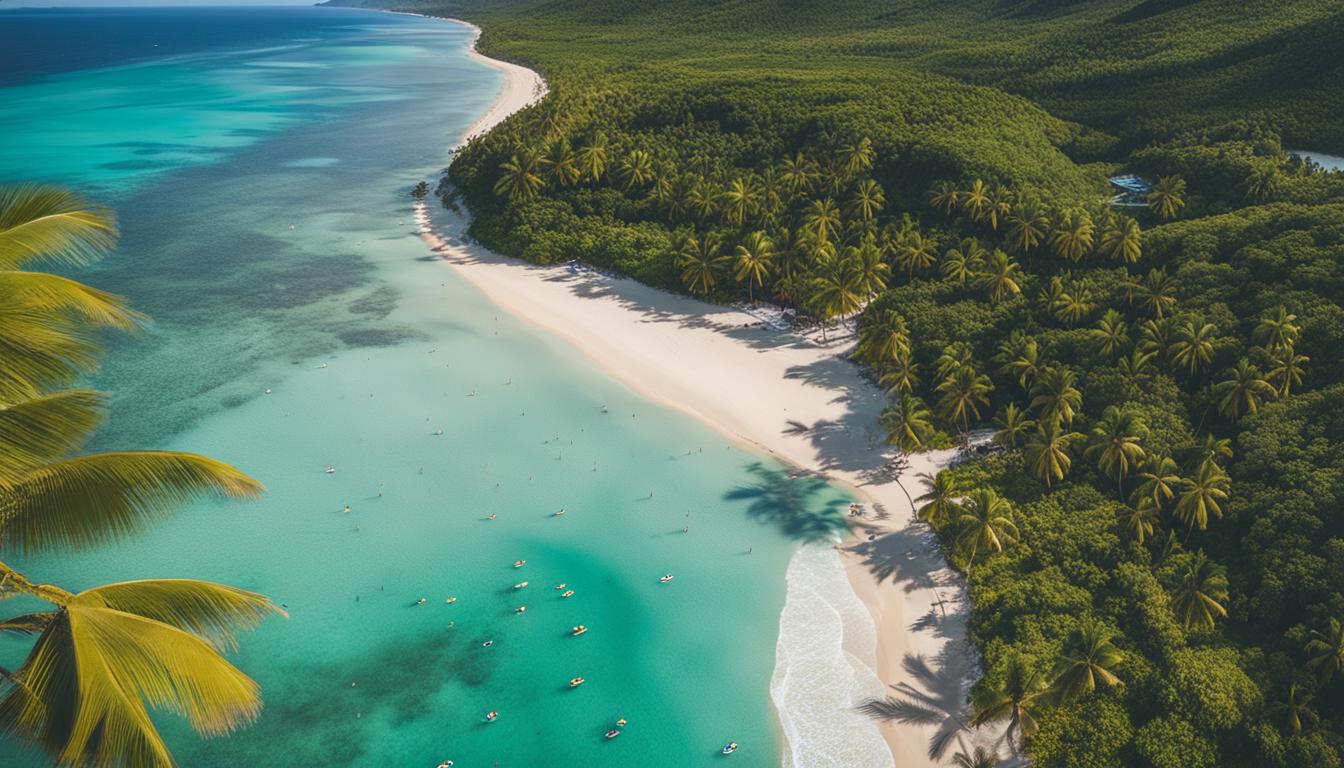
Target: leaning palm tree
[
  {"x": 1121, "y": 240},
  {"x": 1285, "y": 370},
  {"x": 520, "y": 176},
  {"x": 938, "y": 505},
  {"x": 1013, "y": 698},
  {"x": 963, "y": 393},
  {"x": 901, "y": 375},
  {"x": 1013, "y": 426},
  {"x": 1277, "y": 329},
  {"x": 1001, "y": 277},
  {"x": 1325, "y": 651},
  {"x": 1086, "y": 663},
  {"x": 1167, "y": 197},
  {"x": 883, "y": 338},
  {"x": 908, "y": 423},
  {"x": 984, "y": 524},
  {"x": 1198, "y": 593},
  {"x": 701, "y": 263},
  {"x": 1202, "y": 495},
  {"x": 1115, "y": 443},
  {"x": 1047, "y": 452},
  {"x": 1056, "y": 396},
  {"x": 1242, "y": 391},
  {"x": 755, "y": 257}
]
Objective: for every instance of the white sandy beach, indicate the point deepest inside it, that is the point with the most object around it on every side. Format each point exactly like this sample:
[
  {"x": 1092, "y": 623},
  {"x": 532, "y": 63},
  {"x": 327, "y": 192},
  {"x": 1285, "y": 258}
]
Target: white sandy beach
[{"x": 798, "y": 400}]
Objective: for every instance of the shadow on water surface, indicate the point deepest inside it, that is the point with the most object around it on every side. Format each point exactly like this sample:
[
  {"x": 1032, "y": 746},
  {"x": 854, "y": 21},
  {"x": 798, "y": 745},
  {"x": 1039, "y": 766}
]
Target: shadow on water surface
[{"x": 795, "y": 502}]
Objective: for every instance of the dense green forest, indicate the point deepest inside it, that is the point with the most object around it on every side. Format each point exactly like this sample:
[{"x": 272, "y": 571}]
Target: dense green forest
[{"x": 1156, "y": 554}]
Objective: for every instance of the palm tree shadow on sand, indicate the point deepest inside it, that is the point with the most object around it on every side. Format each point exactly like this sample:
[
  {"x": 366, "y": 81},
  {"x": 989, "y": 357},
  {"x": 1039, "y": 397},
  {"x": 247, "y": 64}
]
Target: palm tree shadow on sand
[
  {"x": 937, "y": 698},
  {"x": 795, "y": 502}
]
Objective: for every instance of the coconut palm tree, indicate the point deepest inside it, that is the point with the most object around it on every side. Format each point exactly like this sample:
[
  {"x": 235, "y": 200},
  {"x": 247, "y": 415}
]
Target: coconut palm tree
[
  {"x": 755, "y": 258},
  {"x": 1293, "y": 711},
  {"x": 908, "y": 423},
  {"x": 592, "y": 158},
  {"x": 1325, "y": 651},
  {"x": 856, "y": 158},
  {"x": 1192, "y": 347},
  {"x": 1020, "y": 356},
  {"x": 963, "y": 392},
  {"x": 938, "y": 505},
  {"x": 868, "y": 200},
  {"x": 1000, "y": 278},
  {"x": 1028, "y": 225},
  {"x": 975, "y": 201},
  {"x": 1201, "y": 496},
  {"x": 964, "y": 261},
  {"x": 1115, "y": 443},
  {"x": 1242, "y": 390},
  {"x": 1277, "y": 329},
  {"x": 822, "y": 219},
  {"x": 1121, "y": 240},
  {"x": 1138, "y": 521},
  {"x": 1047, "y": 452},
  {"x": 1158, "y": 482},
  {"x": 955, "y": 356},
  {"x": 984, "y": 524},
  {"x": 867, "y": 260},
  {"x": 636, "y": 170},
  {"x": 901, "y": 375},
  {"x": 1167, "y": 197},
  {"x": 703, "y": 199},
  {"x": 1136, "y": 365},
  {"x": 1285, "y": 370},
  {"x": 1071, "y": 238},
  {"x": 702, "y": 263},
  {"x": 1156, "y": 292},
  {"x": 1073, "y": 304},
  {"x": 1111, "y": 333},
  {"x": 1263, "y": 182},
  {"x": 799, "y": 174},
  {"x": 561, "y": 165},
  {"x": 1000, "y": 206},
  {"x": 520, "y": 176},
  {"x": 838, "y": 291},
  {"x": 1086, "y": 664},
  {"x": 883, "y": 338},
  {"x": 1055, "y": 395},
  {"x": 741, "y": 200},
  {"x": 1013, "y": 427},
  {"x": 1013, "y": 698},
  {"x": 944, "y": 197},
  {"x": 915, "y": 252},
  {"x": 1198, "y": 593}
]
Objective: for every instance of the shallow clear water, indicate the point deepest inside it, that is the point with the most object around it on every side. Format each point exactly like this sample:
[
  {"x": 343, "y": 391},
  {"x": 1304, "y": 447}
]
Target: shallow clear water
[{"x": 261, "y": 176}]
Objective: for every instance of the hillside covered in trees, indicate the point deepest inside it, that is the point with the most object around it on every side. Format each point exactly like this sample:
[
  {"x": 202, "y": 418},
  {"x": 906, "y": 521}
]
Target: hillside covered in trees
[{"x": 1156, "y": 554}]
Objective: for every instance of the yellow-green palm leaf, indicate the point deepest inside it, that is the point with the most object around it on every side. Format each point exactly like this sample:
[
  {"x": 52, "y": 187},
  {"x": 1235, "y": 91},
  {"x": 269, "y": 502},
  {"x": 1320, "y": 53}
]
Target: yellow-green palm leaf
[
  {"x": 42, "y": 223},
  {"x": 42, "y": 429},
  {"x": 111, "y": 654},
  {"x": 44, "y": 292},
  {"x": 93, "y": 499},
  {"x": 42, "y": 351}
]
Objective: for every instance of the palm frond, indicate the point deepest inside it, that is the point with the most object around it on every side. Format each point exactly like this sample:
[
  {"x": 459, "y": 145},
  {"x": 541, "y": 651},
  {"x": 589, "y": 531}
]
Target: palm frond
[
  {"x": 43, "y": 429},
  {"x": 27, "y": 624},
  {"x": 52, "y": 293},
  {"x": 213, "y": 611},
  {"x": 102, "y": 497},
  {"x": 42, "y": 351},
  {"x": 44, "y": 223}
]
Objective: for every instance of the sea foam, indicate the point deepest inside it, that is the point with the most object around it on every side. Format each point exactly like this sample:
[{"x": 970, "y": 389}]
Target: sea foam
[{"x": 824, "y": 668}]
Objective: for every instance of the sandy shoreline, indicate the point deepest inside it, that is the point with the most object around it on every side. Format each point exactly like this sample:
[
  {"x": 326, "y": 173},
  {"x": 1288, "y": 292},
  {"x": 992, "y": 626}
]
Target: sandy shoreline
[{"x": 797, "y": 400}]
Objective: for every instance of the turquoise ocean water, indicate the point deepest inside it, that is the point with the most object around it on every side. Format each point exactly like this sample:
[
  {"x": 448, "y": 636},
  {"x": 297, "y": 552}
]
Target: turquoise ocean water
[{"x": 260, "y": 159}]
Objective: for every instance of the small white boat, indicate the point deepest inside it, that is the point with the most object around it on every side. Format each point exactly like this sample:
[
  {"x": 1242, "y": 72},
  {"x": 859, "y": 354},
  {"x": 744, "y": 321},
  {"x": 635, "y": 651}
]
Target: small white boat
[
  {"x": 730, "y": 748},
  {"x": 567, "y": 593},
  {"x": 517, "y": 563},
  {"x": 520, "y": 585},
  {"x": 665, "y": 579}
]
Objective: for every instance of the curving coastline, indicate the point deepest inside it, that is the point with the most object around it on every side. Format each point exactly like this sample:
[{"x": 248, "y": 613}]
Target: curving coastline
[{"x": 797, "y": 400}]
